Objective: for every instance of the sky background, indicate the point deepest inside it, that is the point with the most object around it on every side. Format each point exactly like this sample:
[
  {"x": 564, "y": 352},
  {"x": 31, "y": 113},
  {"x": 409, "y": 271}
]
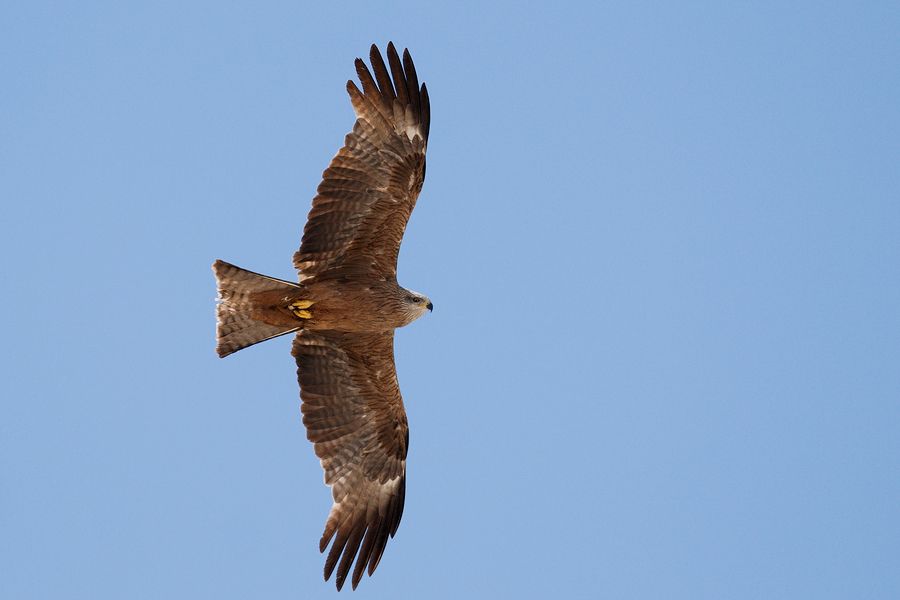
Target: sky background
[{"x": 663, "y": 246}]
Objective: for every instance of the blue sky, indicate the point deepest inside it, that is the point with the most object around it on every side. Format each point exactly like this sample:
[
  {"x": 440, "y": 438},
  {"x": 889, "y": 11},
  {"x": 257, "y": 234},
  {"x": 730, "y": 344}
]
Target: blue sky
[{"x": 663, "y": 248}]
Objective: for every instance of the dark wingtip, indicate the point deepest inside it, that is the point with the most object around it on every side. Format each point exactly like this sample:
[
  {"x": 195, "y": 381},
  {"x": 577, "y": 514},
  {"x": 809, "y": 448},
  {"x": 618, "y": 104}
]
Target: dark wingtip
[
  {"x": 426, "y": 111},
  {"x": 382, "y": 76}
]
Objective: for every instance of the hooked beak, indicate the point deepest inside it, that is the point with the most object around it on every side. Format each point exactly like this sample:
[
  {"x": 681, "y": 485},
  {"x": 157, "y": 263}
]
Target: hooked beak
[{"x": 429, "y": 306}]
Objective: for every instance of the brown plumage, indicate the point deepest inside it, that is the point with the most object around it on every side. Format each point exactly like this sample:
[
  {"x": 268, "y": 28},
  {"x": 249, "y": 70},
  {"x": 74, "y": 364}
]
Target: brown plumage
[{"x": 345, "y": 309}]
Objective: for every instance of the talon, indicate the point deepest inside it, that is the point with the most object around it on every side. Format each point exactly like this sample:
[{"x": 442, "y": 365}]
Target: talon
[{"x": 299, "y": 308}]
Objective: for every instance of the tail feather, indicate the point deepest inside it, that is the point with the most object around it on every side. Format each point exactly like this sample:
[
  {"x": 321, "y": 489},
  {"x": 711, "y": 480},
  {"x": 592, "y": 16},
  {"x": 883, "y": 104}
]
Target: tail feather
[{"x": 235, "y": 326}]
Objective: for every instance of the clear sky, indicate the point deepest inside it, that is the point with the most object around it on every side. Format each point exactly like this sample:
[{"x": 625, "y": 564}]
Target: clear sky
[{"x": 663, "y": 246}]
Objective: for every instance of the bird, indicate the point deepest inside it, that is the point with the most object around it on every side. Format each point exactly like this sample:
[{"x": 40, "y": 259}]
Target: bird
[{"x": 344, "y": 309}]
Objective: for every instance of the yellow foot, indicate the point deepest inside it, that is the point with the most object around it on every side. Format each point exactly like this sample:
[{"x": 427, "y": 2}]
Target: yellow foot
[{"x": 299, "y": 309}]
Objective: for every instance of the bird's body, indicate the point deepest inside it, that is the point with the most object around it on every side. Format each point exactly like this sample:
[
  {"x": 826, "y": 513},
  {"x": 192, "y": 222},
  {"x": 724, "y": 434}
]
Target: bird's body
[
  {"x": 346, "y": 304},
  {"x": 344, "y": 310}
]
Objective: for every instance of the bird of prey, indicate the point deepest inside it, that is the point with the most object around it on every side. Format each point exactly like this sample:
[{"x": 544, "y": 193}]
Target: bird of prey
[{"x": 344, "y": 309}]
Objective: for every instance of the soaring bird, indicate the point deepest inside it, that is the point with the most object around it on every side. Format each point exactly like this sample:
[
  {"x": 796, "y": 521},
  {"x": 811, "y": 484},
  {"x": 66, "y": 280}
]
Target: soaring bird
[{"x": 344, "y": 309}]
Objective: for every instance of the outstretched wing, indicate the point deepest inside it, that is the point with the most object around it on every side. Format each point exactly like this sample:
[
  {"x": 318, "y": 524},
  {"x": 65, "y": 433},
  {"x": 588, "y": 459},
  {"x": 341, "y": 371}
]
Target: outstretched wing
[
  {"x": 354, "y": 416},
  {"x": 370, "y": 188}
]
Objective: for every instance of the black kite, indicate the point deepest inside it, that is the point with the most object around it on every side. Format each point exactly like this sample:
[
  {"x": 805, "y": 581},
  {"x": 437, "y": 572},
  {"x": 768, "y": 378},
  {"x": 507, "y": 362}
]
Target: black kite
[{"x": 345, "y": 308}]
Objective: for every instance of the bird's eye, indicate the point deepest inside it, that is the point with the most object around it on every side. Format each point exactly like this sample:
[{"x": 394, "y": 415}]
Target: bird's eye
[{"x": 417, "y": 300}]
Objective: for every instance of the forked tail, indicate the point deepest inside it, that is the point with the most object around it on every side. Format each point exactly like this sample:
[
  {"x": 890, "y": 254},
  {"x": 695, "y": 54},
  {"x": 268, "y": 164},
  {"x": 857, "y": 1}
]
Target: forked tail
[{"x": 239, "y": 294}]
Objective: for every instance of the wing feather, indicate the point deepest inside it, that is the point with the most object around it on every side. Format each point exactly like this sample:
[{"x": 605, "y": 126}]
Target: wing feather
[
  {"x": 400, "y": 86},
  {"x": 381, "y": 74},
  {"x": 412, "y": 82},
  {"x": 369, "y": 190},
  {"x": 426, "y": 114},
  {"x": 354, "y": 415}
]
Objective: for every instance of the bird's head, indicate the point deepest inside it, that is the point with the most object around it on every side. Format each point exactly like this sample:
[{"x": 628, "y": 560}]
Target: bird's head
[{"x": 416, "y": 304}]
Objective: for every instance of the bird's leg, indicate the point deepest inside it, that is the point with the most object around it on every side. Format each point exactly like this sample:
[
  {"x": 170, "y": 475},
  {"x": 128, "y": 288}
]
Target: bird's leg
[{"x": 299, "y": 308}]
